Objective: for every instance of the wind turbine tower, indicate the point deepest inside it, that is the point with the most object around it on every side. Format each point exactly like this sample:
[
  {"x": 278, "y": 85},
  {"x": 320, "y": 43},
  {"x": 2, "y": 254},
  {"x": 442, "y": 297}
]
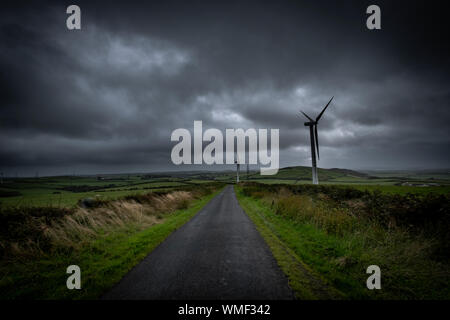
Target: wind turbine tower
[
  {"x": 237, "y": 168},
  {"x": 312, "y": 124}
]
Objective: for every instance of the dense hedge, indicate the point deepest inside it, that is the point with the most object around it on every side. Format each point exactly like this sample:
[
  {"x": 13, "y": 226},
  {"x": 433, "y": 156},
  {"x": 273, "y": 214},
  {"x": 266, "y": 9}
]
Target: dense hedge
[{"x": 419, "y": 214}]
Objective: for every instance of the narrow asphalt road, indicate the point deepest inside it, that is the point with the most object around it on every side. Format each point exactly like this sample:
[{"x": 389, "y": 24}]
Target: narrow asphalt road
[{"x": 218, "y": 254}]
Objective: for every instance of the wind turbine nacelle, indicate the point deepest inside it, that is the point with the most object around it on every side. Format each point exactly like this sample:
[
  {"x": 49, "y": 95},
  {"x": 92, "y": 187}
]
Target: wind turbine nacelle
[{"x": 308, "y": 124}]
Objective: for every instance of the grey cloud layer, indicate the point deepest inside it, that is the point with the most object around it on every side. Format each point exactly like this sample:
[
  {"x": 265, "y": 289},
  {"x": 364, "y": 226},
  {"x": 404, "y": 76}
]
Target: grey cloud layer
[{"x": 110, "y": 95}]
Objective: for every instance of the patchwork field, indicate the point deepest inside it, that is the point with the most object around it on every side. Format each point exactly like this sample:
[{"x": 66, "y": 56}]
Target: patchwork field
[
  {"x": 67, "y": 191},
  {"x": 48, "y": 222}
]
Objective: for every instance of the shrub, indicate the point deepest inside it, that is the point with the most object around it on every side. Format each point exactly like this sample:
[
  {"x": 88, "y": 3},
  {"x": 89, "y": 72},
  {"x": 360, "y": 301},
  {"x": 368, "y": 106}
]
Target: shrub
[
  {"x": 9, "y": 193},
  {"x": 338, "y": 209},
  {"x": 303, "y": 209}
]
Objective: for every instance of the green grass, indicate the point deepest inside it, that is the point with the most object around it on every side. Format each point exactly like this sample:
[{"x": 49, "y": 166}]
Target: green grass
[
  {"x": 416, "y": 175},
  {"x": 276, "y": 181},
  {"x": 335, "y": 259},
  {"x": 301, "y": 173},
  {"x": 48, "y": 191},
  {"x": 385, "y": 182},
  {"x": 103, "y": 261},
  {"x": 405, "y": 189},
  {"x": 306, "y": 283},
  {"x": 45, "y": 197},
  {"x": 385, "y": 187}
]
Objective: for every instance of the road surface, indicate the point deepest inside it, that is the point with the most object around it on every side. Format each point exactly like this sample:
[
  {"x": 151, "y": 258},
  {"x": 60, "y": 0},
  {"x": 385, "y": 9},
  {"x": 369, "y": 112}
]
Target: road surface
[{"x": 218, "y": 254}]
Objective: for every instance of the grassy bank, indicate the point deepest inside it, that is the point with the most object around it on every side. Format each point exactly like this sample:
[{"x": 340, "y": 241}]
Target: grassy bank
[
  {"x": 67, "y": 191},
  {"x": 324, "y": 240},
  {"x": 105, "y": 241}
]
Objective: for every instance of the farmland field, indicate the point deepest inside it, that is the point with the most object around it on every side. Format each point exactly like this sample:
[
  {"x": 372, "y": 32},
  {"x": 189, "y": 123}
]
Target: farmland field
[
  {"x": 46, "y": 224},
  {"x": 393, "y": 182},
  {"x": 66, "y": 191}
]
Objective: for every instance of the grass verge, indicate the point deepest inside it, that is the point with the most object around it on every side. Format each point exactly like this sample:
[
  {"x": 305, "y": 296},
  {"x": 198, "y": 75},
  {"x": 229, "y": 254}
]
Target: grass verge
[
  {"x": 306, "y": 284},
  {"x": 103, "y": 260},
  {"x": 325, "y": 250}
]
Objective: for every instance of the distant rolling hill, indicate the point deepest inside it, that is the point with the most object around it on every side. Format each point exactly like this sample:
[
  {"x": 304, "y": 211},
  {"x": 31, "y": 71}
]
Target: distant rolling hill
[
  {"x": 301, "y": 174},
  {"x": 304, "y": 173},
  {"x": 288, "y": 174}
]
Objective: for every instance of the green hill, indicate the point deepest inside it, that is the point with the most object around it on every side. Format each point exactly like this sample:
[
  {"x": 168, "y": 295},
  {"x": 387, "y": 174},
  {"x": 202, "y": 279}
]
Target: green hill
[{"x": 304, "y": 174}]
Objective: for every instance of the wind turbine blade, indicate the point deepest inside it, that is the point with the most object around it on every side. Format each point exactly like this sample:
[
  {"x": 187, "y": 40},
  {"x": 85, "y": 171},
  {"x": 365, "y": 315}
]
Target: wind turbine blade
[
  {"x": 307, "y": 116},
  {"x": 320, "y": 115},
  {"x": 317, "y": 141}
]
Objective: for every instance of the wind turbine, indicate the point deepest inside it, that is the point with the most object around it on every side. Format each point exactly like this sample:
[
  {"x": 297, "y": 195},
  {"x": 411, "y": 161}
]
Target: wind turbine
[
  {"x": 312, "y": 124},
  {"x": 237, "y": 168}
]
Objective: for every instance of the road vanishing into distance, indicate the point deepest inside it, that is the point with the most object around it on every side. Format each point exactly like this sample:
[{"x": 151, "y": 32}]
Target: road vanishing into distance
[{"x": 218, "y": 254}]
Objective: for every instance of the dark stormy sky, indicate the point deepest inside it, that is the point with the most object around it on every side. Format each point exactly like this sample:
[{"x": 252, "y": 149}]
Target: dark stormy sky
[{"x": 107, "y": 97}]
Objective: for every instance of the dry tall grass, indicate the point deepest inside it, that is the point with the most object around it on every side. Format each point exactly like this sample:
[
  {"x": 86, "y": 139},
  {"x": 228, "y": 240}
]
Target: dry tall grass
[
  {"x": 72, "y": 230},
  {"x": 303, "y": 209},
  {"x": 344, "y": 232}
]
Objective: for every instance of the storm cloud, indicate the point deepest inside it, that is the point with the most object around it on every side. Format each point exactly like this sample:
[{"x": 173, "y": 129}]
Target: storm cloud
[{"x": 107, "y": 97}]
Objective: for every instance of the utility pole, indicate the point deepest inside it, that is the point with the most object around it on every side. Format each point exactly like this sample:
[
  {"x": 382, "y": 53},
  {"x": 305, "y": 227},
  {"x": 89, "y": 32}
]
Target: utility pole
[{"x": 247, "y": 170}]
